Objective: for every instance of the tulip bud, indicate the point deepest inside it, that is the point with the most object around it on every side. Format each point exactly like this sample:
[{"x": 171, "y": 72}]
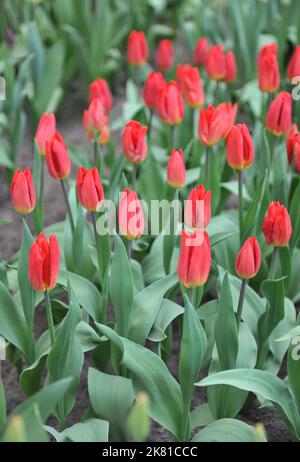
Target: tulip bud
[
  {"x": 229, "y": 113},
  {"x": 104, "y": 136},
  {"x": 216, "y": 64},
  {"x": 231, "y": 67},
  {"x": 277, "y": 226},
  {"x": 99, "y": 89},
  {"x": 239, "y": 147},
  {"x": 134, "y": 142},
  {"x": 138, "y": 422},
  {"x": 194, "y": 259},
  {"x": 170, "y": 106},
  {"x": 201, "y": 52},
  {"x": 131, "y": 215},
  {"x": 293, "y": 69},
  {"x": 44, "y": 263},
  {"x": 22, "y": 191},
  {"x": 45, "y": 131},
  {"x": 151, "y": 89},
  {"x": 94, "y": 119},
  {"x": 197, "y": 211},
  {"x": 268, "y": 69},
  {"x": 190, "y": 85},
  {"x": 176, "y": 169},
  {"x": 248, "y": 260},
  {"x": 293, "y": 151},
  {"x": 137, "y": 48},
  {"x": 212, "y": 125},
  {"x": 57, "y": 158},
  {"x": 164, "y": 58},
  {"x": 293, "y": 130},
  {"x": 89, "y": 188},
  {"x": 279, "y": 115}
]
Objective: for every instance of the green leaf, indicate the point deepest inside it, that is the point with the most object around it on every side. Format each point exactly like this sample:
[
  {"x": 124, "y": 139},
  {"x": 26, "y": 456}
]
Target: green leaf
[
  {"x": 167, "y": 313},
  {"x": 264, "y": 384},
  {"x": 295, "y": 217},
  {"x": 151, "y": 374},
  {"x": 121, "y": 287},
  {"x": 111, "y": 399},
  {"x": 89, "y": 431},
  {"x": 294, "y": 368},
  {"x": 253, "y": 211},
  {"x": 201, "y": 416},
  {"x": 226, "y": 431},
  {"x": 146, "y": 306}
]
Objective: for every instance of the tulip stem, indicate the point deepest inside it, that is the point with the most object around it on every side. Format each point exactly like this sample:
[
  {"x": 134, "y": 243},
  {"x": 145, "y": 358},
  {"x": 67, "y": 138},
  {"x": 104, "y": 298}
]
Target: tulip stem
[
  {"x": 241, "y": 302},
  {"x": 241, "y": 218},
  {"x": 98, "y": 159},
  {"x": 129, "y": 248},
  {"x": 272, "y": 272},
  {"x": 49, "y": 318},
  {"x": 69, "y": 212},
  {"x": 133, "y": 179},
  {"x": 41, "y": 187},
  {"x": 172, "y": 136},
  {"x": 97, "y": 245},
  {"x": 150, "y": 122},
  {"x": 206, "y": 166}
]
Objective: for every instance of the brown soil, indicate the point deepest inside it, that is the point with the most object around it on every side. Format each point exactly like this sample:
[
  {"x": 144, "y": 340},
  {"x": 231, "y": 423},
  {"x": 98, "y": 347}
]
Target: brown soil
[{"x": 69, "y": 123}]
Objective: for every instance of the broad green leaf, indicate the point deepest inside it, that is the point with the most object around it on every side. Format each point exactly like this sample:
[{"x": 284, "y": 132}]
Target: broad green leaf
[
  {"x": 121, "y": 287},
  {"x": 294, "y": 368},
  {"x": 226, "y": 431},
  {"x": 250, "y": 218},
  {"x": 201, "y": 416},
  {"x": 167, "y": 313},
  {"x": 89, "y": 431},
  {"x": 295, "y": 217}
]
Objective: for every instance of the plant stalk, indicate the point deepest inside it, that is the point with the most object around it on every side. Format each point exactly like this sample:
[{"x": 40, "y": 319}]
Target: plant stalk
[
  {"x": 66, "y": 199},
  {"x": 272, "y": 271},
  {"x": 129, "y": 248},
  {"x": 49, "y": 317},
  {"x": 241, "y": 302},
  {"x": 97, "y": 246},
  {"x": 241, "y": 207}
]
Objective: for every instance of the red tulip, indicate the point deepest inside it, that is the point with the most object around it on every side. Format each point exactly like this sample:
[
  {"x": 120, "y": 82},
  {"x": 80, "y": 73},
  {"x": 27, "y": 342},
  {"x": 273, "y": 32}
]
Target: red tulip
[
  {"x": 170, "y": 106},
  {"x": 137, "y": 48},
  {"x": 279, "y": 115},
  {"x": 231, "y": 67},
  {"x": 277, "y": 226},
  {"x": 57, "y": 158},
  {"x": 89, "y": 188},
  {"x": 164, "y": 58},
  {"x": 216, "y": 63},
  {"x": 176, "y": 169},
  {"x": 94, "y": 119},
  {"x": 131, "y": 215},
  {"x": 44, "y": 263},
  {"x": 229, "y": 113},
  {"x": 134, "y": 142},
  {"x": 293, "y": 69},
  {"x": 194, "y": 259},
  {"x": 99, "y": 89},
  {"x": 45, "y": 131},
  {"x": 293, "y": 151},
  {"x": 239, "y": 147},
  {"x": 190, "y": 85},
  {"x": 293, "y": 130},
  {"x": 22, "y": 191},
  {"x": 212, "y": 125},
  {"x": 151, "y": 89},
  {"x": 248, "y": 260},
  {"x": 268, "y": 69},
  {"x": 201, "y": 52},
  {"x": 104, "y": 136},
  {"x": 197, "y": 211}
]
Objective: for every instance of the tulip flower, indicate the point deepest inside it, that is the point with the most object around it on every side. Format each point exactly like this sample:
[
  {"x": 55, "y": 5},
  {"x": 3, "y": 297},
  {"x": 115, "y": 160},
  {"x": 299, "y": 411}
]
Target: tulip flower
[
  {"x": 194, "y": 259},
  {"x": 197, "y": 211},
  {"x": 212, "y": 125},
  {"x": 22, "y": 191},
  {"x": 268, "y": 69},
  {"x": 164, "y": 58},
  {"x": 45, "y": 131},
  {"x": 57, "y": 158},
  {"x": 293, "y": 151},
  {"x": 293, "y": 69},
  {"x": 248, "y": 260},
  {"x": 176, "y": 173},
  {"x": 151, "y": 89},
  {"x": 94, "y": 119},
  {"x": 137, "y": 48},
  {"x": 131, "y": 215},
  {"x": 201, "y": 52},
  {"x": 134, "y": 142},
  {"x": 216, "y": 63},
  {"x": 230, "y": 67},
  {"x": 239, "y": 147},
  {"x": 99, "y": 89},
  {"x": 279, "y": 115},
  {"x": 229, "y": 113},
  {"x": 170, "y": 104},
  {"x": 247, "y": 265},
  {"x": 89, "y": 188},
  {"x": 293, "y": 130},
  {"x": 190, "y": 85},
  {"x": 43, "y": 271},
  {"x": 277, "y": 226}
]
